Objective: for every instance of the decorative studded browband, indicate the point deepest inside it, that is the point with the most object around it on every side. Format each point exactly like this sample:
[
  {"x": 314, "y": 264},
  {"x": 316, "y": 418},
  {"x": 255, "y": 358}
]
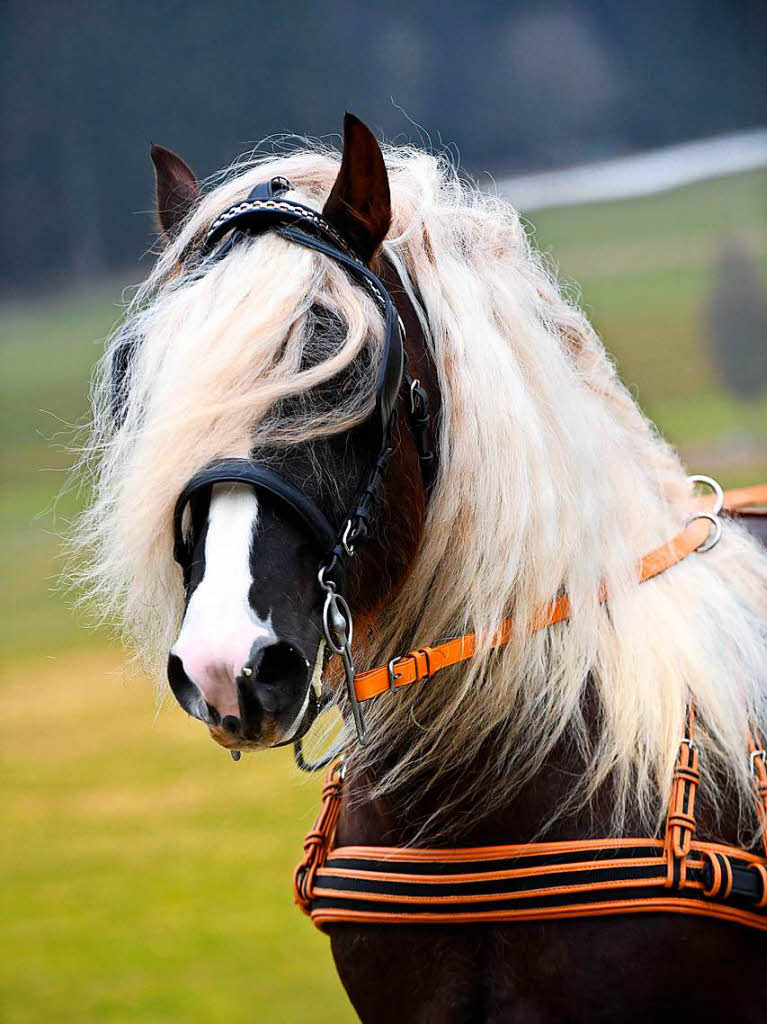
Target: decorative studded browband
[{"x": 546, "y": 880}]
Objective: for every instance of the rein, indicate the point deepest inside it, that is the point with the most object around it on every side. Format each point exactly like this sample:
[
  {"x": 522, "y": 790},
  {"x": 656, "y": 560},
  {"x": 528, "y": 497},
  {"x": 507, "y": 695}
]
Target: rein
[{"x": 701, "y": 533}]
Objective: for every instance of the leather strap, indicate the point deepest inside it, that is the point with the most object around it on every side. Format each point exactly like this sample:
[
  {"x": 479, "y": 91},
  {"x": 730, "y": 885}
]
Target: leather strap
[
  {"x": 680, "y": 821},
  {"x": 423, "y": 663},
  {"x": 545, "y": 880},
  {"x": 757, "y": 757},
  {"x": 298, "y": 223},
  {"x": 264, "y": 479},
  {"x": 519, "y": 882}
]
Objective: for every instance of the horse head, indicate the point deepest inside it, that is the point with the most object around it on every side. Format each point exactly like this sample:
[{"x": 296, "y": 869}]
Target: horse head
[
  {"x": 267, "y": 542},
  {"x": 265, "y": 518}
]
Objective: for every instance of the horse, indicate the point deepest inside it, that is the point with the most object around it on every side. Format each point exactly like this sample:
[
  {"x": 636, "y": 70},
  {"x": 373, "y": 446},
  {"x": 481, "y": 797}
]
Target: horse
[{"x": 499, "y": 465}]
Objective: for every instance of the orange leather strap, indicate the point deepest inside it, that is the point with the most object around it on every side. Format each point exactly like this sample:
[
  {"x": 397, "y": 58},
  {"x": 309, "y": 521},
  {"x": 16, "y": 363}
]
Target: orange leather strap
[
  {"x": 423, "y": 663},
  {"x": 757, "y": 755},
  {"x": 524, "y": 881},
  {"x": 318, "y": 842},
  {"x": 680, "y": 823}
]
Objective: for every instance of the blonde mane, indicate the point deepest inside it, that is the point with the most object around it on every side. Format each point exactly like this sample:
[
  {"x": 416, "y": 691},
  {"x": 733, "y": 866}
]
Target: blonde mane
[{"x": 550, "y": 479}]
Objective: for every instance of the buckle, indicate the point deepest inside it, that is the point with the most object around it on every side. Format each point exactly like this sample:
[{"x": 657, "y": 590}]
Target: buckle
[{"x": 392, "y": 677}]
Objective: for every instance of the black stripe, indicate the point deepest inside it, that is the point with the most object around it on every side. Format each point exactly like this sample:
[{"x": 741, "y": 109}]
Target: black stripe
[
  {"x": 486, "y": 887},
  {"x": 524, "y": 903},
  {"x": 445, "y": 867}
]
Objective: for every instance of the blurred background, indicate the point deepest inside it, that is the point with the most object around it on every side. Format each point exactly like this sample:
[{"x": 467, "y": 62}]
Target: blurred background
[{"x": 146, "y": 877}]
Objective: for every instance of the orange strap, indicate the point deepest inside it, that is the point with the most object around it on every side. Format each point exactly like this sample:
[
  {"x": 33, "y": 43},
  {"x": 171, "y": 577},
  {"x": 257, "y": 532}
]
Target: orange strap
[
  {"x": 423, "y": 663},
  {"x": 757, "y": 757},
  {"x": 527, "y": 881},
  {"x": 318, "y": 842},
  {"x": 680, "y": 822}
]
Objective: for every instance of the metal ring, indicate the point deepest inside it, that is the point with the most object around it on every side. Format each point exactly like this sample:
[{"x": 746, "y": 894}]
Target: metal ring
[
  {"x": 714, "y": 536},
  {"x": 715, "y": 487},
  {"x": 327, "y": 585},
  {"x": 336, "y": 599},
  {"x": 752, "y": 757},
  {"x": 348, "y": 548}
]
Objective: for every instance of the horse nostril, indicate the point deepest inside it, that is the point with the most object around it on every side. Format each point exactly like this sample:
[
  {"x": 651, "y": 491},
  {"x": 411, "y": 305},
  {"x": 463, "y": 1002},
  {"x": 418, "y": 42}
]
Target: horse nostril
[
  {"x": 280, "y": 663},
  {"x": 276, "y": 678},
  {"x": 185, "y": 691},
  {"x": 231, "y": 723}
]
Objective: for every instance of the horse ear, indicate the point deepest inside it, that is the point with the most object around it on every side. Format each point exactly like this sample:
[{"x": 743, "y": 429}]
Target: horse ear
[
  {"x": 177, "y": 189},
  {"x": 359, "y": 205}
]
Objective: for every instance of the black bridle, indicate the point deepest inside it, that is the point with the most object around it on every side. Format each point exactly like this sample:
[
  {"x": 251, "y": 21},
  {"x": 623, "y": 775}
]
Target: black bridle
[{"x": 265, "y": 209}]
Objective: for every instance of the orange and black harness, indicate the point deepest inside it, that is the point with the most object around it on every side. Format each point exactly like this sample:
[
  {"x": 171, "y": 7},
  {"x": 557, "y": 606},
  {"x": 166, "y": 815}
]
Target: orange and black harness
[{"x": 535, "y": 881}]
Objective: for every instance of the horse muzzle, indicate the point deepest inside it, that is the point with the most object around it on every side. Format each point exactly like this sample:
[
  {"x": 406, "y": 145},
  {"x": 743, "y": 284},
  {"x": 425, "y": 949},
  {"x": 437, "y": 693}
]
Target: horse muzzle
[{"x": 269, "y": 701}]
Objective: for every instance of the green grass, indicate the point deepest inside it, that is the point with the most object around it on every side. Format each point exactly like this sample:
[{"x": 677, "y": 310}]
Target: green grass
[
  {"x": 643, "y": 270},
  {"x": 146, "y": 877},
  {"x": 48, "y": 349}
]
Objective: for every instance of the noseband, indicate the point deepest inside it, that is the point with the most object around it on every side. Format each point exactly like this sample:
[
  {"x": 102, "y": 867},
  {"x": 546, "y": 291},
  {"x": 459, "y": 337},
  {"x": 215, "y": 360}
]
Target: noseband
[{"x": 266, "y": 209}]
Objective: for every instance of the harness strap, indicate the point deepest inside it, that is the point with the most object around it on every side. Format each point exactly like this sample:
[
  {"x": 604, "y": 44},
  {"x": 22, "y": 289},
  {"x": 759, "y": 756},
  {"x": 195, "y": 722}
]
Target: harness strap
[
  {"x": 318, "y": 841},
  {"x": 423, "y": 663},
  {"x": 521, "y": 882},
  {"x": 757, "y": 755},
  {"x": 680, "y": 822},
  {"x": 547, "y": 880}
]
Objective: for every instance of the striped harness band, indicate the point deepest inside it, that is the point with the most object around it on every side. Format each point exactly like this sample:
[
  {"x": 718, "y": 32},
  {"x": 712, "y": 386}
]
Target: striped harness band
[{"x": 675, "y": 873}]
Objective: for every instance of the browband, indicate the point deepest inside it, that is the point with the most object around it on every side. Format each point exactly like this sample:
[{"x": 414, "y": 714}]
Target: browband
[
  {"x": 265, "y": 210},
  {"x": 262, "y": 478}
]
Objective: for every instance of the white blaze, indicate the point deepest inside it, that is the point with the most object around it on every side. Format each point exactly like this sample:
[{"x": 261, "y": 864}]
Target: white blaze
[{"x": 220, "y": 627}]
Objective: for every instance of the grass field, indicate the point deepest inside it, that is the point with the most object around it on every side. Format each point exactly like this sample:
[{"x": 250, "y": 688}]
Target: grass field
[{"x": 146, "y": 876}]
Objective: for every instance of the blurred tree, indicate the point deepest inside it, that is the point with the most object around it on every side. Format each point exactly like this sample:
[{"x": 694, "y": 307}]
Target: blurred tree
[
  {"x": 736, "y": 317},
  {"x": 514, "y": 84}
]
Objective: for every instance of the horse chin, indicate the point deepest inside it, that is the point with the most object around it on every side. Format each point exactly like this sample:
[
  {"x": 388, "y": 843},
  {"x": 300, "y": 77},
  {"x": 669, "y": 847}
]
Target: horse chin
[{"x": 269, "y": 735}]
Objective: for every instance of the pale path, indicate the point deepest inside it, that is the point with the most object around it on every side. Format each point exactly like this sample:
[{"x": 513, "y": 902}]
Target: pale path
[{"x": 639, "y": 175}]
